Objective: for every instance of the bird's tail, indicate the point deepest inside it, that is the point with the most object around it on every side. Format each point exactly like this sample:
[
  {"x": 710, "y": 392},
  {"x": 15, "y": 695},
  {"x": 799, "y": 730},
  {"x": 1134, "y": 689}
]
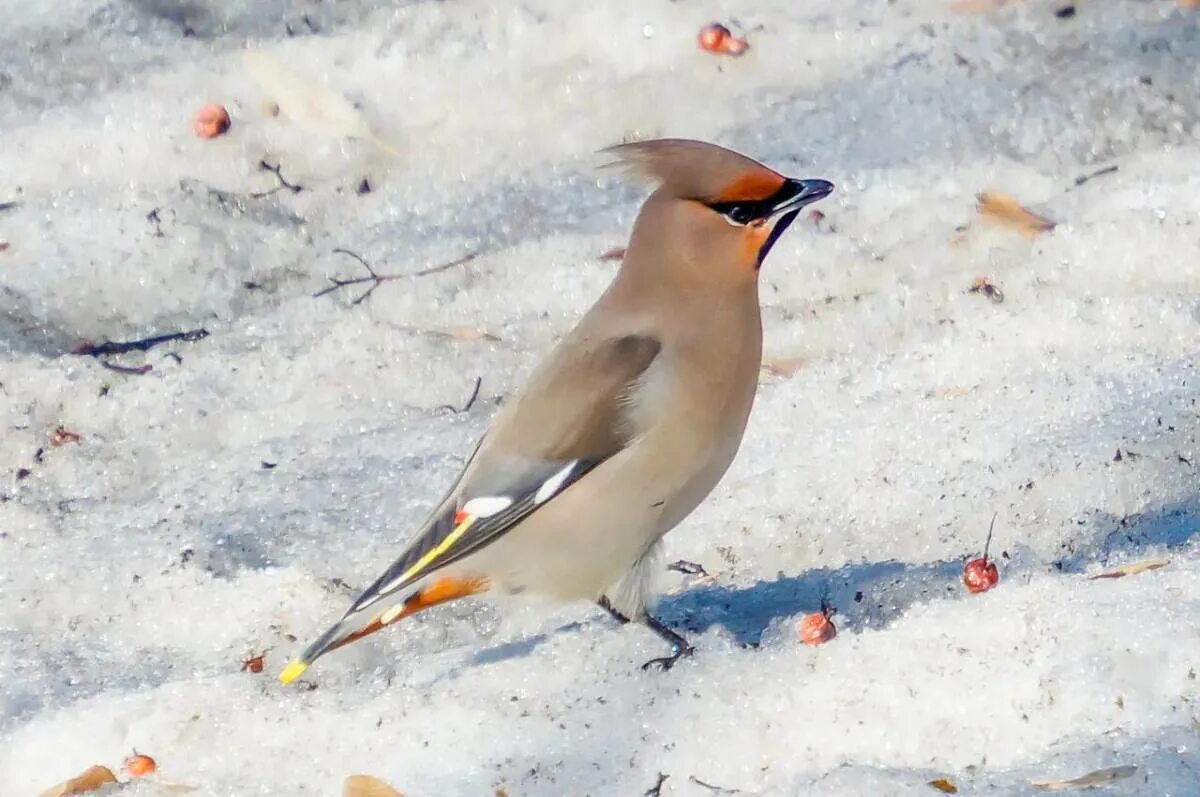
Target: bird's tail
[{"x": 361, "y": 622}]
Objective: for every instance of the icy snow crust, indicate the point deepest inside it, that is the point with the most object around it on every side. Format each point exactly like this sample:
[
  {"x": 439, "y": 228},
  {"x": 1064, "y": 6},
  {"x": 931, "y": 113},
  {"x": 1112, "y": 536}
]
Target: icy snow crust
[{"x": 141, "y": 566}]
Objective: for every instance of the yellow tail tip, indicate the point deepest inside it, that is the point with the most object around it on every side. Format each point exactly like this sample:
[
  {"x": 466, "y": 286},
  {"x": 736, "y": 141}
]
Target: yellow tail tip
[{"x": 293, "y": 671}]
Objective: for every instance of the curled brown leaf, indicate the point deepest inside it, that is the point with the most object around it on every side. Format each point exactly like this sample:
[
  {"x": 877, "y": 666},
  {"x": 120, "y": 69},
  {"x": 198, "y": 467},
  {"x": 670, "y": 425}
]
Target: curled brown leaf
[
  {"x": 367, "y": 786},
  {"x": 1002, "y": 209},
  {"x": 91, "y": 779}
]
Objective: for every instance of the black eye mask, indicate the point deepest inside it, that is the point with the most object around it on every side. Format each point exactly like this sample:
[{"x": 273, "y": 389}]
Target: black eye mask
[
  {"x": 792, "y": 195},
  {"x": 785, "y": 203}
]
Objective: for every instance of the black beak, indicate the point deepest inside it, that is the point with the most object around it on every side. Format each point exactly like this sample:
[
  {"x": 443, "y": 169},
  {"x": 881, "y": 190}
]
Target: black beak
[
  {"x": 786, "y": 203},
  {"x": 795, "y": 194}
]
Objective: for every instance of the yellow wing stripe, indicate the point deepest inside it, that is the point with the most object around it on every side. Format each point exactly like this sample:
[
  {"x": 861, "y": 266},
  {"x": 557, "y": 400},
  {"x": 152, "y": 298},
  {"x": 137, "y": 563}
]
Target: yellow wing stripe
[
  {"x": 297, "y": 667},
  {"x": 438, "y": 550}
]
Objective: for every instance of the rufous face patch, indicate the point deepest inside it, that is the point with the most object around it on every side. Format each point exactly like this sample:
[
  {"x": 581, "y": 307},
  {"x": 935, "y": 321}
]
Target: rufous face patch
[{"x": 753, "y": 185}]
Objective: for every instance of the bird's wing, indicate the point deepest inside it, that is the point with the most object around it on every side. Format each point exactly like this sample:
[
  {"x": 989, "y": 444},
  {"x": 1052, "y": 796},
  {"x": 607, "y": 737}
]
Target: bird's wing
[{"x": 568, "y": 420}]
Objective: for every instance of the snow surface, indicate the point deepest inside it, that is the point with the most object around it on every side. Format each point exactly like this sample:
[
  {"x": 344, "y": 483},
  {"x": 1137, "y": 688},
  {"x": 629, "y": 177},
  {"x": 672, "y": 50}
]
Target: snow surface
[{"x": 139, "y": 568}]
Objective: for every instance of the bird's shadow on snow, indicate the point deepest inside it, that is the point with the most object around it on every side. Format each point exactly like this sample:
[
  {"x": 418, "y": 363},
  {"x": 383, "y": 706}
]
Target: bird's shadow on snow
[
  {"x": 864, "y": 595},
  {"x": 873, "y": 594},
  {"x": 1111, "y": 538}
]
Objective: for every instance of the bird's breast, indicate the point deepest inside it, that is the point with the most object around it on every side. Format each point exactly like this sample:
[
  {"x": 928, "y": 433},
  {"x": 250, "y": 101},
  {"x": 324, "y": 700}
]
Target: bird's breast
[{"x": 689, "y": 409}]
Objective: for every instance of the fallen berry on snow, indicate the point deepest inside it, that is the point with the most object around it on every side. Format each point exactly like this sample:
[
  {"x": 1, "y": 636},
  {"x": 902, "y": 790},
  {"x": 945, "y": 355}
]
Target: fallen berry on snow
[
  {"x": 211, "y": 121},
  {"x": 255, "y": 664},
  {"x": 980, "y": 575},
  {"x": 717, "y": 38},
  {"x": 817, "y": 629},
  {"x": 139, "y": 765}
]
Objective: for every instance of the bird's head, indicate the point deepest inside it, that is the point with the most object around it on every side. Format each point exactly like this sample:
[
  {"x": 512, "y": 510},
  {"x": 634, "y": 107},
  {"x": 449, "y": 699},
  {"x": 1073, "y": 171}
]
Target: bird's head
[{"x": 714, "y": 212}]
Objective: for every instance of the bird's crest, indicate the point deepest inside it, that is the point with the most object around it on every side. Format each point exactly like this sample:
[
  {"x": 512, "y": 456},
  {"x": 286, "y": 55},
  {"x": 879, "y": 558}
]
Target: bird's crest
[{"x": 697, "y": 170}]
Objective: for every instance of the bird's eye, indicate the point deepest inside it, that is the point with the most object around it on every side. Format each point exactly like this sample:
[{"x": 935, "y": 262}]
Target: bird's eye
[{"x": 741, "y": 214}]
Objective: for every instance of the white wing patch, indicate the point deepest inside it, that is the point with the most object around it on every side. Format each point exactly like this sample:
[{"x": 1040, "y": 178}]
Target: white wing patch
[
  {"x": 486, "y": 505},
  {"x": 478, "y": 508},
  {"x": 551, "y": 486}
]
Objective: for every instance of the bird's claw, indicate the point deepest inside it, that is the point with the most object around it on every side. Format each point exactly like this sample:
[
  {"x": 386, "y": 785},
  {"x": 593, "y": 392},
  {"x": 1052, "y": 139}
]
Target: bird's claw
[{"x": 665, "y": 663}]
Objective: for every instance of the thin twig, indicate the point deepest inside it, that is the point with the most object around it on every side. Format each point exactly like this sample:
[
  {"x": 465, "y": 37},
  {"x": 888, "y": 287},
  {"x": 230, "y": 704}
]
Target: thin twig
[
  {"x": 470, "y": 402},
  {"x": 8, "y": 205},
  {"x": 89, "y": 349},
  {"x": 467, "y": 258},
  {"x": 127, "y": 369},
  {"x": 988, "y": 542},
  {"x": 710, "y": 787},
  {"x": 378, "y": 279},
  {"x": 656, "y": 789},
  {"x": 372, "y": 277},
  {"x": 1084, "y": 178},
  {"x": 283, "y": 183}
]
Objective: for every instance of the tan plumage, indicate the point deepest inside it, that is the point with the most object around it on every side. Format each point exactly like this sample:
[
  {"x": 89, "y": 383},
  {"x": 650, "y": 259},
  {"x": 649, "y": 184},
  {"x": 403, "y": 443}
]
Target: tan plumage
[{"x": 627, "y": 424}]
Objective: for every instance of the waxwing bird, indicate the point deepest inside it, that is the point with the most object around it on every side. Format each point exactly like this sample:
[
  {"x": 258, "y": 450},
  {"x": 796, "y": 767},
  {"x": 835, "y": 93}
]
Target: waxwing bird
[{"x": 626, "y": 425}]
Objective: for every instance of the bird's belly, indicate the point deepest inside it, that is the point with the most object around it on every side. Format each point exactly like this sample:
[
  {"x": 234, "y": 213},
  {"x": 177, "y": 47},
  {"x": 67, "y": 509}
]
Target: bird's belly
[
  {"x": 577, "y": 545},
  {"x": 586, "y": 539}
]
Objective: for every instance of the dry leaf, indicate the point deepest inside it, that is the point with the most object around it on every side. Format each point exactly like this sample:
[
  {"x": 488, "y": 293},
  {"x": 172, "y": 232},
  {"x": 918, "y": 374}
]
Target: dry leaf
[
  {"x": 62, "y": 436},
  {"x": 464, "y": 333},
  {"x": 782, "y": 366},
  {"x": 89, "y": 780},
  {"x": 1100, "y": 777},
  {"x": 984, "y": 287},
  {"x": 618, "y": 252},
  {"x": 255, "y": 664},
  {"x": 944, "y": 785},
  {"x": 1133, "y": 569},
  {"x": 308, "y": 104},
  {"x": 367, "y": 786},
  {"x": 1003, "y": 209}
]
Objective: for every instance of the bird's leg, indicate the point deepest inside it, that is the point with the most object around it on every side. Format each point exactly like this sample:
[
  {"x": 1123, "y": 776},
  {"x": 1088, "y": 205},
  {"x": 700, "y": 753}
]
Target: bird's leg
[
  {"x": 608, "y": 607},
  {"x": 680, "y": 647}
]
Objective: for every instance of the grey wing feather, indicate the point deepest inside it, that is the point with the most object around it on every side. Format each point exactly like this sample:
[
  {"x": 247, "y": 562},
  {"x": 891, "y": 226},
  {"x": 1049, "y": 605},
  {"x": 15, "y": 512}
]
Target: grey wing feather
[{"x": 566, "y": 423}]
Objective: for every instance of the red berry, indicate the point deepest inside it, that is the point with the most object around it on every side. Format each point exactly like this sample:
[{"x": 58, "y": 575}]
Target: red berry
[
  {"x": 735, "y": 46},
  {"x": 713, "y": 37},
  {"x": 717, "y": 38},
  {"x": 211, "y": 121},
  {"x": 139, "y": 765},
  {"x": 817, "y": 629},
  {"x": 980, "y": 575}
]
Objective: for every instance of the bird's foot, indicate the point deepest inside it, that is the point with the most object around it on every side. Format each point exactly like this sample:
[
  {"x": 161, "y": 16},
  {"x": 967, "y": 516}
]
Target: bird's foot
[
  {"x": 680, "y": 647},
  {"x": 665, "y": 663}
]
